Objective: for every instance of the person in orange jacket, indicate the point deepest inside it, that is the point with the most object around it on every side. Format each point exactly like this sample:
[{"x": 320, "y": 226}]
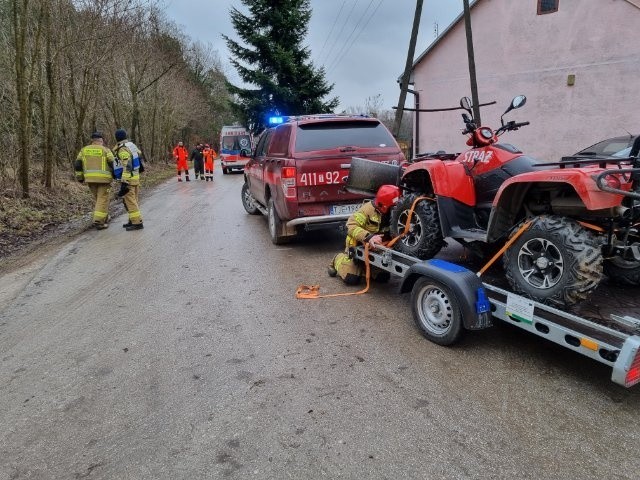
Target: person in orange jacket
[
  {"x": 209, "y": 154},
  {"x": 181, "y": 155}
]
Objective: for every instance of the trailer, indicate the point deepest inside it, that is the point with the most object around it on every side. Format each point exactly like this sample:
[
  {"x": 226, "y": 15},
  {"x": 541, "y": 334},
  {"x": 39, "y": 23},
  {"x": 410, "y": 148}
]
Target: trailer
[{"x": 448, "y": 299}]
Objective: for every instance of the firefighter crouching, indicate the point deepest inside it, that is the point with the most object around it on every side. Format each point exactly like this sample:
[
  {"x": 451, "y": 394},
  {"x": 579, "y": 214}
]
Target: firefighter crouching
[
  {"x": 94, "y": 166},
  {"x": 130, "y": 157},
  {"x": 370, "y": 223}
]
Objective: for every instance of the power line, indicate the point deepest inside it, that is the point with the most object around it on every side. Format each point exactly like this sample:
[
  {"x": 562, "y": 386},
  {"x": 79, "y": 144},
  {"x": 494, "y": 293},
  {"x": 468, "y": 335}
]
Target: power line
[
  {"x": 336, "y": 63},
  {"x": 340, "y": 33},
  {"x": 332, "y": 27},
  {"x": 344, "y": 44}
]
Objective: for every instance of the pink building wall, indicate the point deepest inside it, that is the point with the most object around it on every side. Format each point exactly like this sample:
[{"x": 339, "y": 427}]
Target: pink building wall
[{"x": 520, "y": 52}]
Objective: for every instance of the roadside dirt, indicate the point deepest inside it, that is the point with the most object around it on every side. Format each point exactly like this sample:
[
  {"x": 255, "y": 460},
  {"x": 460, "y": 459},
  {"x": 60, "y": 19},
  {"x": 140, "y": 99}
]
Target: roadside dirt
[{"x": 31, "y": 228}]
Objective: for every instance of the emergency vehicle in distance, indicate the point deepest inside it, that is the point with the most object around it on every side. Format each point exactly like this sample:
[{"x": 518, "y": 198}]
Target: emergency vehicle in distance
[{"x": 235, "y": 147}]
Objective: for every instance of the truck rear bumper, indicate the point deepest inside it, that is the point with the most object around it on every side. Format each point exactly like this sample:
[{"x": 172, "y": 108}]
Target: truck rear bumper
[{"x": 318, "y": 221}]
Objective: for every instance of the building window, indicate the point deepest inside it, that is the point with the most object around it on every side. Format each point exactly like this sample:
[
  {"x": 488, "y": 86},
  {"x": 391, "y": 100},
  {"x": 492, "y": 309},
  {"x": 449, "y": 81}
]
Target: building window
[{"x": 547, "y": 6}]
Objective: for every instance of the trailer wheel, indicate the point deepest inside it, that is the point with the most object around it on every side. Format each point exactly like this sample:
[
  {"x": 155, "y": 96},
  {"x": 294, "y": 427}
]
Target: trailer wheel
[
  {"x": 424, "y": 239},
  {"x": 556, "y": 261},
  {"x": 248, "y": 202},
  {"x": 622, "y": 271},
  {"x": 436, "y": 311}
]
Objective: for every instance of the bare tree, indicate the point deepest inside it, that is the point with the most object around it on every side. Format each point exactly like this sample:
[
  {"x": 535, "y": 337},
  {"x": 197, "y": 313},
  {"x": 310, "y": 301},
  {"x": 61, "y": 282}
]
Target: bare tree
[
  {"x": 115, "y": 63},
  {"x": 26, "y": 43}
]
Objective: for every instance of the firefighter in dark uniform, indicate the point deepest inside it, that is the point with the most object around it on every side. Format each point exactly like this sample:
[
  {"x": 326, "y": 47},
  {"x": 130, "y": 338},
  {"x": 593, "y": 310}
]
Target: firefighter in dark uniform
[
  {"x": 369, "y": 224},
  {"x": 94, "y": 166},
  {"x": 198, "y": 161}
]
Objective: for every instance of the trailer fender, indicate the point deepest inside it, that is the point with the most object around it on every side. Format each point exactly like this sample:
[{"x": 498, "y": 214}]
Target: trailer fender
[{"x": 465, "y": 285}]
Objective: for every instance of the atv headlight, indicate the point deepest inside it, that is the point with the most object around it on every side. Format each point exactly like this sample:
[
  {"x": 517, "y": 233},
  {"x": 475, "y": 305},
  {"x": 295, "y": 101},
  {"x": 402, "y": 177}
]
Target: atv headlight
[{"x": 486, "y": 133}]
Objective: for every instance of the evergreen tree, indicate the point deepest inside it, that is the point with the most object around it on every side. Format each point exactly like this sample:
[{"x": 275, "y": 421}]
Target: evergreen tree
[{"x": 275, "y": 61}]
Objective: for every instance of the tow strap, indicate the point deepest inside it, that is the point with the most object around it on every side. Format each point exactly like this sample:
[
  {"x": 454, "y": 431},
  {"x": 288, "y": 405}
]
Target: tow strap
[
  {"x": 520, "y": 231},
  {"x": 311, "y": 292}
]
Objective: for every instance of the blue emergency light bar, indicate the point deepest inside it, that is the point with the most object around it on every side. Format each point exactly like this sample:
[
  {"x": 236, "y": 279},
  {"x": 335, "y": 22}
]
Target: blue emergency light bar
[{"x": 282, "y": 119}]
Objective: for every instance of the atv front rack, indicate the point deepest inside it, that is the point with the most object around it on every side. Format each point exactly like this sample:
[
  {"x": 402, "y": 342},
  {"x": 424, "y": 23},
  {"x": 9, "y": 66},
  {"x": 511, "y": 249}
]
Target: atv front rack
[{"x": 618, "y": 348}]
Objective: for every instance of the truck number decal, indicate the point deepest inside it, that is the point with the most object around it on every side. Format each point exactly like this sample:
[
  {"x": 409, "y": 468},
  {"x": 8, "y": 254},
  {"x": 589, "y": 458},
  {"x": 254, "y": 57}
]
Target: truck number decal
[
  {"x": 320, "y": 178},
  {"x": 478, "y": 155}
]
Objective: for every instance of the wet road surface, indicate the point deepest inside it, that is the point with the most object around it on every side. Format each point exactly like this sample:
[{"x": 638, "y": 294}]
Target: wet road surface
[{"x": 180, "y": 352}]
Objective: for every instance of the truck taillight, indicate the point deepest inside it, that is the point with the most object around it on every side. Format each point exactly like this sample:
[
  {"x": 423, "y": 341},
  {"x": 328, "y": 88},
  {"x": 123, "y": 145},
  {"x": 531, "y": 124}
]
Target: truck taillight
[
  {"x": 289, "y": 172},
  {"x": 288, "y": 175}
]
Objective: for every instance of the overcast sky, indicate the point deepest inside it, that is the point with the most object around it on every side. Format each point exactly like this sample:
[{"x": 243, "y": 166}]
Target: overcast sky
[{"x": 362, "y": 43}]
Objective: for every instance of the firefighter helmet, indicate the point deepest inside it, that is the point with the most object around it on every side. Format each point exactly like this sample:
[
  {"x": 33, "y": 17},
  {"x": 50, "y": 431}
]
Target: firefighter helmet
[{"x": 386, "y": 197}]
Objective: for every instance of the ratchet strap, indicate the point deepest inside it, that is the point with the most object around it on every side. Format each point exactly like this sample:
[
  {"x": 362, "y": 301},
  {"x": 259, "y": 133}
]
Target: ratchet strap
[
  {"x": 520, "y": 231},
  {"x": 311, "y": 292}
]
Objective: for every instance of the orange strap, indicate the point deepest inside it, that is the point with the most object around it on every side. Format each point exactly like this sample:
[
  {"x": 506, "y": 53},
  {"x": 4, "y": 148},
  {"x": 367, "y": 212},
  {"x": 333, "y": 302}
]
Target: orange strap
[
  {"x": 311, "y": 292},
  {"x": 520, "y": 231}
]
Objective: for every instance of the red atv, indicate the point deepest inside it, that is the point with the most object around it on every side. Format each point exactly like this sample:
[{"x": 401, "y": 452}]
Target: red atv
[{"x": 585, "y": 212}]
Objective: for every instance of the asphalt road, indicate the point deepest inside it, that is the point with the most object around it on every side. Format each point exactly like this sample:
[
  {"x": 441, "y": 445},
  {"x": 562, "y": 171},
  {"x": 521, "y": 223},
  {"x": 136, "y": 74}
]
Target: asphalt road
[{"x": 180, "y": 352}]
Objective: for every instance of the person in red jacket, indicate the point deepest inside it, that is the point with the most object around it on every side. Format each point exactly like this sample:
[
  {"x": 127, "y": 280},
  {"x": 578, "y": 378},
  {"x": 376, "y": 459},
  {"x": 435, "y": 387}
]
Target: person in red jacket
[
  {"x": 209, "y": 154},
  {"x": 181, "y": 155}
]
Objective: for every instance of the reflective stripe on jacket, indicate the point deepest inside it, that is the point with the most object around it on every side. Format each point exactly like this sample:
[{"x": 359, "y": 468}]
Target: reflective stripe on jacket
[
  {"x": 364, "y": 222},
  {"x": 129, "y": 154},
  {"x": 96, "y": 162}
]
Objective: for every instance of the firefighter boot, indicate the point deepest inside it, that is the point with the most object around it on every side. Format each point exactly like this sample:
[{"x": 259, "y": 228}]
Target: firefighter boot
[{"x": 331, "y": 270}]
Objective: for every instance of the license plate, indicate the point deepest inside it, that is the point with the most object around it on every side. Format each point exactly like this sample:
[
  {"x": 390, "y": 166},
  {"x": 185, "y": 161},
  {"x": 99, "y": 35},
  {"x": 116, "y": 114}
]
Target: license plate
[{"x": 344, "y": 209}]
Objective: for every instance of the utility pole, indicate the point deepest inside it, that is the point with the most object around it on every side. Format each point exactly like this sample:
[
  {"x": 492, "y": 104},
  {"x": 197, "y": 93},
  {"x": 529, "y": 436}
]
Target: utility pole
[
  {"x": 404, "y": 85},
  {"x": 472, "y": 63}
]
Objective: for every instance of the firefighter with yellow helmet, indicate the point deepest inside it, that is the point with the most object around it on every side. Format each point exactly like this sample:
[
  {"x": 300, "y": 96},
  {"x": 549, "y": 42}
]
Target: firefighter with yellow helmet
[
  {"x": 94, "y": 166},
  {"x": 130, "y": 157},
  {"x": 369, "y": 224}
]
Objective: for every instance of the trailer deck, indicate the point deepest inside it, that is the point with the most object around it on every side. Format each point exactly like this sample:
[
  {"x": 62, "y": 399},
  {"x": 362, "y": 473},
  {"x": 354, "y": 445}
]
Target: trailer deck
[{"x": 616, "y": 344}]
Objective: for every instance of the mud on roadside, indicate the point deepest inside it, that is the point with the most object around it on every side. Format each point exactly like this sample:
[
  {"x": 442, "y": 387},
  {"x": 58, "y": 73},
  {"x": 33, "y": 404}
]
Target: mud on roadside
[{"x": 30, "y": 228}]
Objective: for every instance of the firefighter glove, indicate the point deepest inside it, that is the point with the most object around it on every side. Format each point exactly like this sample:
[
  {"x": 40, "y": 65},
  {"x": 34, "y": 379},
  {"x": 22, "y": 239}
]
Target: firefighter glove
[{"x": 124, "y": 189}]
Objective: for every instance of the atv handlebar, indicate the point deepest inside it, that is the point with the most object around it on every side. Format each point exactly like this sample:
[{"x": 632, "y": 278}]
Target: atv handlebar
[{"x": 511, "y": 126}]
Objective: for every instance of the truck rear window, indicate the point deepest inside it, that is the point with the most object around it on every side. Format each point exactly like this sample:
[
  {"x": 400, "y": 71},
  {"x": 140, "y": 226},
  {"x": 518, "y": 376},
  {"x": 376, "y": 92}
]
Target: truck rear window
[{"x": 332, "y": 135}]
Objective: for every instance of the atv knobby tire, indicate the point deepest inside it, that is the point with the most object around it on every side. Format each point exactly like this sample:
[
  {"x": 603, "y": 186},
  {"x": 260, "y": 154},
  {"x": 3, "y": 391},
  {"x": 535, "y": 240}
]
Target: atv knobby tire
[
  {"x": 424, "y": 239},
  {"x": 622, "y": 271},
  {"x": 556, "y": 261}
]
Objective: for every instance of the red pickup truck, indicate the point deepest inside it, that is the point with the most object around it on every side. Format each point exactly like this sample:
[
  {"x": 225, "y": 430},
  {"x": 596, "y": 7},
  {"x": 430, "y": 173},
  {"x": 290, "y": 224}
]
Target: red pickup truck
[{"x": 297, "y": 174}]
